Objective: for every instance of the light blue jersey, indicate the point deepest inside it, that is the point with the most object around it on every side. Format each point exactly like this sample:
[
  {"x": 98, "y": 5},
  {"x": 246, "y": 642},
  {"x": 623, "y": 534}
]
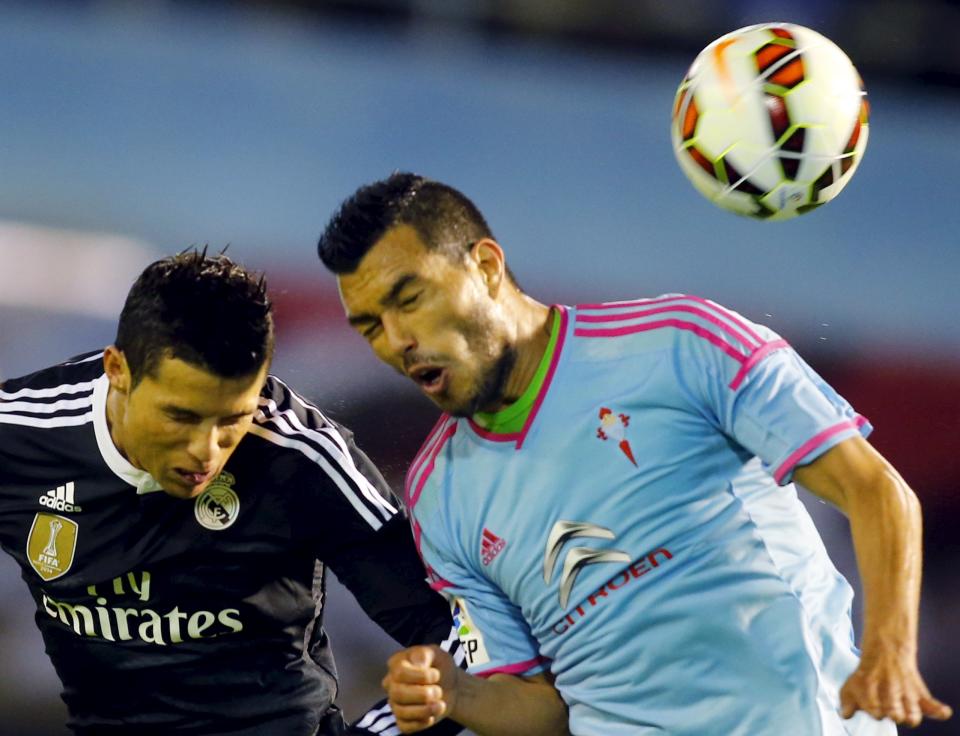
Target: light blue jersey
[{"x": 640, "y": 537}]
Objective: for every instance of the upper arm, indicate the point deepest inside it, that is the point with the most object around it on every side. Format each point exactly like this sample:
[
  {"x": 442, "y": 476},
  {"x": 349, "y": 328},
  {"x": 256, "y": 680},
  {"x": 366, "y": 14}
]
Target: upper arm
[
  {"x": 350, "y": 519},
  {"x": 385, "y": 574},
  {"x": 369, "y": 546},
  {"x": 847, "y": 474}
]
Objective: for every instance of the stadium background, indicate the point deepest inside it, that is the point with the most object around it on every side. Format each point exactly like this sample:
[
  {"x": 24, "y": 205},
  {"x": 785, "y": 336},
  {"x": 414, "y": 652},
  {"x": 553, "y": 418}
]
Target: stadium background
[{"x": 129, "y": 130}]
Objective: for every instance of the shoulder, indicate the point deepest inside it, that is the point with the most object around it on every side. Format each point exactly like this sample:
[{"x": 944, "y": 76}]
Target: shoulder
[
  {"x": 301, "y": 438},
  {"x": 54, "y": 397},
  {"x": 672, "y": 322},
  {"x": 74, "y": 375},
  {"x": 286, "y": 419}
]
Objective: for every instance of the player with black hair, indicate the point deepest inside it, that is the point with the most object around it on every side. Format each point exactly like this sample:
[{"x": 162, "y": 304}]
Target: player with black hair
[
  {"x": 607, "y": 502},
  {"x": 174, "y": 508}
]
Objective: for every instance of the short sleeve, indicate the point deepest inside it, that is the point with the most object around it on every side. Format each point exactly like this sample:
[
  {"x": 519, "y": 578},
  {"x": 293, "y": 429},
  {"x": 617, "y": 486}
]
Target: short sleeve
[
  {"x": 493, "y": 634},
  {"x": 768, "y": 399}
]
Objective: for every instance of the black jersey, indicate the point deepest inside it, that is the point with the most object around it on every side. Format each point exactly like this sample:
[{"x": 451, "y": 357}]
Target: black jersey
[{"x": 204, "y": 616}]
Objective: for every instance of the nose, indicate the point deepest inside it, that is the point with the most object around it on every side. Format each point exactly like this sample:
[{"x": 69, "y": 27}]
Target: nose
[
  {"x": 204, "y": 446},
  {"x": 399, "y": 339}
]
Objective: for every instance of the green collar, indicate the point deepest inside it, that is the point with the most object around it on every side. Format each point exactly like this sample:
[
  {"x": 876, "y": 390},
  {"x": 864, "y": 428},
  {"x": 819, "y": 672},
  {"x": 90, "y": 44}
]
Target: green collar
[{"x": 511, "y": 419}]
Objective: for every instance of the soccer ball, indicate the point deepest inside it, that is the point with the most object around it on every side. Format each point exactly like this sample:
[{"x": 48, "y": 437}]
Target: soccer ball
[{"x": 770, "y": 121}]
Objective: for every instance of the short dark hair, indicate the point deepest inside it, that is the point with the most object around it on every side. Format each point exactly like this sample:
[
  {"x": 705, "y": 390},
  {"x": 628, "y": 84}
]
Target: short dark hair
[
  {"x": 205, "y": 310},
  {"x": 444, "y": 218}
]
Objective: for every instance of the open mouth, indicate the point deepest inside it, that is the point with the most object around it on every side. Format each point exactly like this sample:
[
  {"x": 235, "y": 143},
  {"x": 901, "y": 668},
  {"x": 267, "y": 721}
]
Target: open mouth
[{"x": 432, "y": 379}]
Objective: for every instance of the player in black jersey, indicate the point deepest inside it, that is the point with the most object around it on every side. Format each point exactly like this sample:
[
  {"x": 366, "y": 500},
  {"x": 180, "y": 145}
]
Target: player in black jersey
[{"x": 173, "y": 509}]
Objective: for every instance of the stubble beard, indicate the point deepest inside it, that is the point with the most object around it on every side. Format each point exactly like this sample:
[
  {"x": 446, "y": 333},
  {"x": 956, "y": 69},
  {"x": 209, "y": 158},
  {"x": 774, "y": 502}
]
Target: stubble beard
[{"x": 488, "y": 392}]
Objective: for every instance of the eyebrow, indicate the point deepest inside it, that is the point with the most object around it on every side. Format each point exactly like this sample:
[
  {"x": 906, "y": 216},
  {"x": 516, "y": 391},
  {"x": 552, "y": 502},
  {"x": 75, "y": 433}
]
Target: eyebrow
[
  {"x": 390, "y": 299},
  {"x": 174, "y": 409}
]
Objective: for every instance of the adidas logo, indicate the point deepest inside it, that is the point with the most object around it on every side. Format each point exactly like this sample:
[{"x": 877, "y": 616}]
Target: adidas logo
[
  {"x": 60, "y": 499},
  {"x": 490, "y": 546}
]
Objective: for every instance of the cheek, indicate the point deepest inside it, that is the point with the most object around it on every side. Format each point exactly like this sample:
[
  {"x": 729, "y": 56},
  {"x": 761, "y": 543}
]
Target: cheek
[
  {"x": 385, "y": 355},
  {"x": 163, "y": 436},
  {"x": 230, "y": 437},
  {"x": 479, "y": 337}
]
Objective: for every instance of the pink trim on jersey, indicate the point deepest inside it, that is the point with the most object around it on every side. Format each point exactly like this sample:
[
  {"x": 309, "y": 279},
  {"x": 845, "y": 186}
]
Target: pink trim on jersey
[
  {"x": 557, "y": 350},
  {"x": 422, "y": 454},
  {"x": 679, "y": 324},
  {"x": 440, "y": 584},
  {"x": 494, "y": 436},
  {"x": 674, "y": 308},
  {"x": 755, "y": 357},
  {"x": 434, "y": 451},
  {"x": 807, "y": 447},
  {"x": 520, "y": 436},
  {"x": 417, "y": 535},
  {"x": 679, "y": 297},
  {"x": 512, "y": 669}
]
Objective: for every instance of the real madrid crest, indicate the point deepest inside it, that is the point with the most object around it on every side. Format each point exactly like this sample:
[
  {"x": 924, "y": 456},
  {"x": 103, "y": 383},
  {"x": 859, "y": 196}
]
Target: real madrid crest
[
  {"x": 51, "y": 544},
  {"x": 218, "y": 506}
]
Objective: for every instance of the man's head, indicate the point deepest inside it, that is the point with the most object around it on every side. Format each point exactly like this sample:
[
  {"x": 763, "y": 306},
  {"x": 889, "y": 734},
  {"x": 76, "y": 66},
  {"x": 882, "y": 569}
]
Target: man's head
[
  {"x": 193, "y": 346},
  {"x": 422, "y": 279}
]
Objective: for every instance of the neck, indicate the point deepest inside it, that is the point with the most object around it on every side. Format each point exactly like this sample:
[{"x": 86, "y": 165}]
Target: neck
[{"x": 531, "y": 337}]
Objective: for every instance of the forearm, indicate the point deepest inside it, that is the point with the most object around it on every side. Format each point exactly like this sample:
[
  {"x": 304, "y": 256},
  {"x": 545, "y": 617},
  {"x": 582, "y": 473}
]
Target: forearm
[
  {"x": 887, "y": 537},
  {"x": 503, "y": 705},
  {"x": 886, "y": 527}
]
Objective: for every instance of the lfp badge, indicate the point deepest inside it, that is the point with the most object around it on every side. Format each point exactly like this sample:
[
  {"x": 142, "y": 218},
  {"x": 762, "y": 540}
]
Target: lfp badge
[
  {"x": 470, "y": 636},
  {"x": 51, "y": 545}
]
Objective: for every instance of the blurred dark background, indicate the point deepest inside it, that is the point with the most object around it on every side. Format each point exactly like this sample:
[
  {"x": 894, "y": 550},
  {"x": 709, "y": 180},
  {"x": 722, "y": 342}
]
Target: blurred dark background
[{"x": 129, "y": 130}]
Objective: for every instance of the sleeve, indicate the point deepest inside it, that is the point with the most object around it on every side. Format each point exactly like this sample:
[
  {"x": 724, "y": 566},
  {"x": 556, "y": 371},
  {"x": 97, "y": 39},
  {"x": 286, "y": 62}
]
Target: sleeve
[
  {"x": 357, "y": 529},
  {"x": 766, "y": 398},
  {"x": 494, "y": 636},
  {"x": 387, "y": 578},
  {"x": 378, "y": 562}
]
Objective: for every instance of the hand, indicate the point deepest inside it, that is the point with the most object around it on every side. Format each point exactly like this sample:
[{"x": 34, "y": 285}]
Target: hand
[
  {"x": 888, "y": 685},
  {"x": 421, "y": 686}
]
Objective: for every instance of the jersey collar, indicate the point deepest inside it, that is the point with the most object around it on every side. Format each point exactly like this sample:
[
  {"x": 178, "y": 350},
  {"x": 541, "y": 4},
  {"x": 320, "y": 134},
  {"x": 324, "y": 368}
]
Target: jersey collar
[
  {"x": 139, "y": 479},
  {"x": 519, "y": 437}
]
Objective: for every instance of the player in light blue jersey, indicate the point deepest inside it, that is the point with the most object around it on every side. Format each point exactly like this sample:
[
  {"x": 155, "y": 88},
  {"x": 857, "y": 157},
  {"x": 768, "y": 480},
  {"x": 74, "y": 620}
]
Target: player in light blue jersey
[{"x": 608, "y": 502}]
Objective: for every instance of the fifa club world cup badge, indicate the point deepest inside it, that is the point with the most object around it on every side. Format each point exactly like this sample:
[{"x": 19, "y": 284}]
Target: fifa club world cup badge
[
  {"x": 51, "y": 544},
  {"x": 613, "y": 427},
  {"x": 218, "y": 506}
]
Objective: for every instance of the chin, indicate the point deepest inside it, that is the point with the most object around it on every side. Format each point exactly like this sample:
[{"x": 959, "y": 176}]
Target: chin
[
  {"x": 184, "y": 492},
  {"x": 453, "y": 407}
]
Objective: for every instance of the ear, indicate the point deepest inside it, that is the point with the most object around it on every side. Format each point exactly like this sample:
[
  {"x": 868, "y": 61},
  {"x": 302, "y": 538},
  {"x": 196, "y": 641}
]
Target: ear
[
  {"x": 488, "y": 255},
  {"x": 117, "y": 370}
]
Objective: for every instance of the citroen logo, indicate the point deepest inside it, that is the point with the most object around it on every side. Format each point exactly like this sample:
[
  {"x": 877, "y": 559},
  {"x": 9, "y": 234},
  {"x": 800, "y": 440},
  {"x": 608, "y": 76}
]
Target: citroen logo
[{"x": 577, "y": 557}]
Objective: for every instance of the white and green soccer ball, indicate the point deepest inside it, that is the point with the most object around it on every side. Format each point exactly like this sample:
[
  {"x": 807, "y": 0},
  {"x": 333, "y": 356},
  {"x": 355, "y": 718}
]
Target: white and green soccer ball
[{"x": 770, "y": 121}]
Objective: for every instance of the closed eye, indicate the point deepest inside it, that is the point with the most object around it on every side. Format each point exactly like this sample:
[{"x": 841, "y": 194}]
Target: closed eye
[
  {"x": 409, "y": 301},
  {"x": 183, "y": 417},
  {"x": 369, "y": 331}
]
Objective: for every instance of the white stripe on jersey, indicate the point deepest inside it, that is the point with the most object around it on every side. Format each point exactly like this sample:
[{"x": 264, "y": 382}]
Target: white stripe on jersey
[
  {"x": 320, "y": 460},
  {"x": 311, "y": 408},
  {"x": 85, "y": 360},
  {"x": 373, "y": 716},
  {"x": 386, "y": 728},
  {"x": 47, "y": 422},
  {"x": 325, "y": 437},
  {"x": 45, "y": 393},
  {"x": 39, "y": 407},
  {"x": 452, "y": 646}
]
